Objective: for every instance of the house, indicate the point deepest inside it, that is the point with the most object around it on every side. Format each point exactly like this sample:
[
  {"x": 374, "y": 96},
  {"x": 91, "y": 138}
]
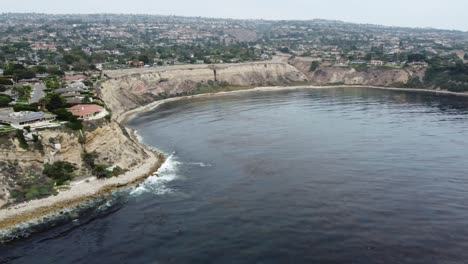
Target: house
[
  {"x": 342, "y": 62},
  {"x": 135, "y": 63},
  {"x": 37, "y": 47},
  {"x": 25, "y": 118},
  {"x": 88, "y": 111},
  {"x": 78, "y": 85},
  {"x": 74, "y": 100},
  {"x": 69, "y": 90},
  {"x": 75, "y": 78},
  {"x": 69, "y": 94},
  {"x": 376, "y": 63}
]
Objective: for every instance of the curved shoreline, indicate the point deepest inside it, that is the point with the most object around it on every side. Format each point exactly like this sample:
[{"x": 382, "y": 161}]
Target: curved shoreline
[
  {"x": 36, "y": 212},
  {"x": 125, "y": 117},
  {"x": 83, "y": 192}
]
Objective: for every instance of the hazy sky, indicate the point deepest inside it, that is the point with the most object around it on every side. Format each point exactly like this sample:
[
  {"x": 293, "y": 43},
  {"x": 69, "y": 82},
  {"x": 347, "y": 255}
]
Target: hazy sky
[{"x": 446, "y": 14}]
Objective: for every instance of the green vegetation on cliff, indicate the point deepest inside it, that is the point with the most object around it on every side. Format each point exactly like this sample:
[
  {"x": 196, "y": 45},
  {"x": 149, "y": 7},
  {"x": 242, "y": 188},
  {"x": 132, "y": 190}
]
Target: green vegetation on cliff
[
  {"x": 59, "y": 171},
  {"x": 33, "y": 187},
  {"x": 453, "y": 77}
]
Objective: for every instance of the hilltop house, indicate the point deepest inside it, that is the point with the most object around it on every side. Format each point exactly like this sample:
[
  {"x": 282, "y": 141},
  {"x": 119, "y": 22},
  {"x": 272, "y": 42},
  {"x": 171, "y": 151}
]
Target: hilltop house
[
  {"x": 135, "y": 63},
  {"x": 39, "y": 46},
  {"x": 25, "y": 118},
  {"x": 376, "y": 63},
  {"x": 88, "y": 111},
  {"x": 75, "y": 78},
  {"x": 77, "y": 87}
]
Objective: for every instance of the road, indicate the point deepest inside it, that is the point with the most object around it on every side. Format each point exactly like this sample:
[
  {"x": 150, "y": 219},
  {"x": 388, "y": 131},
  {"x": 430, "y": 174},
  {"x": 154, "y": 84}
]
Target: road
[{"x": 38, "y": 93}]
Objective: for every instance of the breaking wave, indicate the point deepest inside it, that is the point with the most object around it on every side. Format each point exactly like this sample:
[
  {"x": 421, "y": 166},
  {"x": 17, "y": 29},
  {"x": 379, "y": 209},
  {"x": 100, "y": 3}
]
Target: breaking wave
[
  {"x": 200, "y": 164},
  {"x": 157, "y": 183}
]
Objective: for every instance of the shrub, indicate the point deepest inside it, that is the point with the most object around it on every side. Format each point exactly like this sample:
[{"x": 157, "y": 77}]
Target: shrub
[
  {"x": 33, "y": 187},
  {"x": 38, "y": 145},
  {"x": 89, "y": 159},
  {"x": 4, "y": 100},
  {"x": 59, "y": 171},
  {"x": 25, "y": 107},
  {"x": 100, "y": 171},
  {"x": 118, "y": 171},
  {"x": 22, "y": 141},
  {"x": 313, "y": 66},
  {"x": 75, "y": 125},
  {"x": 6, "y": 81}
]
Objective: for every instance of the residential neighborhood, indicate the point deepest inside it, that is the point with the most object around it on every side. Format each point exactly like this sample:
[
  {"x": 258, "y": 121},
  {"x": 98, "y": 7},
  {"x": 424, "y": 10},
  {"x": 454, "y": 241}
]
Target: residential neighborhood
[{"x": 51, "y": 63}]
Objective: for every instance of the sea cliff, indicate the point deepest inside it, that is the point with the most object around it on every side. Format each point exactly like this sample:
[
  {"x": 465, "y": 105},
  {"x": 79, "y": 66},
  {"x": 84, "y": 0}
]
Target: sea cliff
[{"x": 126, "y": 92}]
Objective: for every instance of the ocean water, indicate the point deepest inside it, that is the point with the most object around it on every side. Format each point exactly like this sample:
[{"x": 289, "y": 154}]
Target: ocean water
[{"x": 349, "y": 175}]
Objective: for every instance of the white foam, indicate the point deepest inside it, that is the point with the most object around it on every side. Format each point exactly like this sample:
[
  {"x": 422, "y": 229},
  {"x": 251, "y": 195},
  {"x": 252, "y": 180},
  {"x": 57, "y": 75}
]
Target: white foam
[
  {"x": 137, "y": 136},
  {"x": 157, "y": 183},
  {"x": 200, "y": 164}
]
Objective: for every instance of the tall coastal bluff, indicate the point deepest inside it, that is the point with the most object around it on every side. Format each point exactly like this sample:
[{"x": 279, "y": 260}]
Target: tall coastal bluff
[
  {"x": 128, "y": 89},
  {"x": 108, "y": 139},
  {"x": 372, "y": 76},
  {"x": 124, "y": 90}
]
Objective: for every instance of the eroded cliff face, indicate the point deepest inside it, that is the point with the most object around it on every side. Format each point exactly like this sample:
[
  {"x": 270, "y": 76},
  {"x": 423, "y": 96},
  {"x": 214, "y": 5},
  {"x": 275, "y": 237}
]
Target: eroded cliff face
[
  {"x": 111, "y": 142},
  {"x": 373, "y": 76},
  {"x": 126, "y": 92}
]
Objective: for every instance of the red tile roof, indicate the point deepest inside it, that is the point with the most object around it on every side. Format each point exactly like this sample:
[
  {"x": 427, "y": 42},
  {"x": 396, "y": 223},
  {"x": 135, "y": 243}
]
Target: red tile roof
[
  {"x": 77, "y": 77},
  {"x": 85, "y": 109}
]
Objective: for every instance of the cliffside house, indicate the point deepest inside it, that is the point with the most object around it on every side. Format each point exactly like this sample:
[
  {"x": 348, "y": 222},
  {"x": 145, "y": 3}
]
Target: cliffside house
[
  {"x": 135, "y": 63},
  {"x": 376, "y": 63},
  {"x": 75, "y": 78},
  {"x": 88, "y": 111},
  {"x": 74, "y": 100},
  {"x": 25, "y": 118},
  {"x": 77, "y": 87},
  {"x": 41, "y": 46}
]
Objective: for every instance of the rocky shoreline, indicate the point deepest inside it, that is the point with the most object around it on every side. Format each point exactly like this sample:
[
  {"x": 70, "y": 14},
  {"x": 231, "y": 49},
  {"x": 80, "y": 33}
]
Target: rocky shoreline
[{"x": 16, "y": 220}]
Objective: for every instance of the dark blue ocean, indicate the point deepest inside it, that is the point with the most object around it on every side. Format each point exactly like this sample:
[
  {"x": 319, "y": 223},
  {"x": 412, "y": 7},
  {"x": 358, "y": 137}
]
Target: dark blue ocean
[{"x": 349, "y": 175}]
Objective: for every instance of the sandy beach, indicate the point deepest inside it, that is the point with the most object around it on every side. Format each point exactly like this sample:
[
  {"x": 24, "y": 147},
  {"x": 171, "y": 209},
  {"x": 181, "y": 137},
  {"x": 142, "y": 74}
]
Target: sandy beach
[{"x": 88, "y": 190}]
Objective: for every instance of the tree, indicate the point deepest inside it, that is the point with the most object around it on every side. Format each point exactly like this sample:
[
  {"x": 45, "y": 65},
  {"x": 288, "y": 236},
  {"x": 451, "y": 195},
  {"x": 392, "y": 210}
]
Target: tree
[
  {"x": 73, "y": 121},
  {"x": 284, "y": 50},
  {"x": 416, "y": 57},
  {"x": 4, "y": 100},
  {"x": 144, "y": 58},
  {"x": 23, "y": 92},
  {"x": 18, "y": 71},
  {"x": 54, "y": 102}
]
